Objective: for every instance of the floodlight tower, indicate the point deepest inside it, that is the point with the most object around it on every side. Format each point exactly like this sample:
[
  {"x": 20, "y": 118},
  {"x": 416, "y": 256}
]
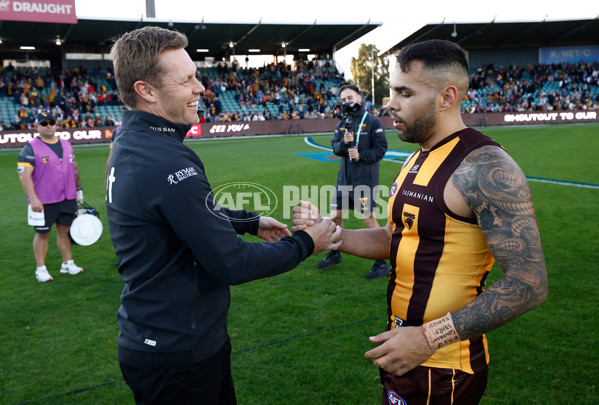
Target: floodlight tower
[
  {"x": 150, "y": 9},
  {"x": 372, "y": 74}
]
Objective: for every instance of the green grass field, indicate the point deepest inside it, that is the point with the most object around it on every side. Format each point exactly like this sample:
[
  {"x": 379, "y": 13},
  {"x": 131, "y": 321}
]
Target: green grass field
[{"x": 300, "y": 337}]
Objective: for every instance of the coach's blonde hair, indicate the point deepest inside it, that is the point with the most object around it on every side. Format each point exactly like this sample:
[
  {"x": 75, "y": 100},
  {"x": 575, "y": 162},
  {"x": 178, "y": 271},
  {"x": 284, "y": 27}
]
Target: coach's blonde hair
[{"x": 135, "y": 57}]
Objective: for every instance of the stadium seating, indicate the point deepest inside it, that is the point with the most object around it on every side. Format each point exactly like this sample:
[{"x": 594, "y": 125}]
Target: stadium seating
[
  {"x": 556, "y": 87},
  {"x": 276, "y": 92}
]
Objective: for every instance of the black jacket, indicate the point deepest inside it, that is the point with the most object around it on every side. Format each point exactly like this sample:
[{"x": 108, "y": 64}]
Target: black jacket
[
  {"x": 372, "y": 147},
  {"x": 177, "y": 252}
]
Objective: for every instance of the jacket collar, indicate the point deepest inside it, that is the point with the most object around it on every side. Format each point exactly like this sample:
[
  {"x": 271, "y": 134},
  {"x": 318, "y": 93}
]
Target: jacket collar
[{"x": 141, "y": 120}]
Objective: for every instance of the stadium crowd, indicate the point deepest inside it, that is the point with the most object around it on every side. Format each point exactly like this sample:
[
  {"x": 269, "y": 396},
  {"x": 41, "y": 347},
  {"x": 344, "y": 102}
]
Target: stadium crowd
[
  {"x": 274, "y": 91},
  {"x": 72, "y": 96},
  {"x": 82, "y": 98},
  {"x": 556, "y": 87}
]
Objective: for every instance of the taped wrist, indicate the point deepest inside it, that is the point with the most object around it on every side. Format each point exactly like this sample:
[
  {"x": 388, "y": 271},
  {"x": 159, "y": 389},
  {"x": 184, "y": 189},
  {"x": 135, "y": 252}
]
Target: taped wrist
[{"x": 440, "y": 332}]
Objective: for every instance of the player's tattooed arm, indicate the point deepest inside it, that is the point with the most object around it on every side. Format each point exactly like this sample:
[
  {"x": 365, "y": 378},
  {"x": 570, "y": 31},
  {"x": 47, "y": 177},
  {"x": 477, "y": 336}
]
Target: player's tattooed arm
[{"x": 496, "y": 189}]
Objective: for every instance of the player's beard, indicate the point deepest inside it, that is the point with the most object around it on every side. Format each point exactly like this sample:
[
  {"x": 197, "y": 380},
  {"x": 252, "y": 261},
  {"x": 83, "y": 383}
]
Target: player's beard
[{"x": 422, "y": 127}]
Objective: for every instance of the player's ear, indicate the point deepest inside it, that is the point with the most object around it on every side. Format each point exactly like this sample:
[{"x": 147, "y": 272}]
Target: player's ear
[
  {"x": 449, "y": 96},
  {"x": 145, "y": 91}
]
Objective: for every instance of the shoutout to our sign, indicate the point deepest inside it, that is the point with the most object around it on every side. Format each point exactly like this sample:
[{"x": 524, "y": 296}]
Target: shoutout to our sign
[
  {"x": 552, "y": 116},
  {"x": 52, "y": 11},
  {"x": 17, "y": 138}
]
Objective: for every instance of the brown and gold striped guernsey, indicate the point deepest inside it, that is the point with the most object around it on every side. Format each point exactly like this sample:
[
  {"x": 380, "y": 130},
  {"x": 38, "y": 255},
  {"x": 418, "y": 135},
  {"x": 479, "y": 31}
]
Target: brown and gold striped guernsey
[{"x": 439, "y": 260}]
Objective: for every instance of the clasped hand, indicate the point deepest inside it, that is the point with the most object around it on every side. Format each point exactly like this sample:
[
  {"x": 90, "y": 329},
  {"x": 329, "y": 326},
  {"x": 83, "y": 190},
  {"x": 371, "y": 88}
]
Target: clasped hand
[
  {"x": 325, "y": 234},
  {"x": 272, "y": 230},
  {"x": 305, "y": 214}
]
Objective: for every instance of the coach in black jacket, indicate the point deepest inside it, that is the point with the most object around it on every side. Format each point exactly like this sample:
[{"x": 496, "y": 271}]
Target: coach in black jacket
[
  {"x": 360, "y": 141},
  {"x": 177, "y": 251}
]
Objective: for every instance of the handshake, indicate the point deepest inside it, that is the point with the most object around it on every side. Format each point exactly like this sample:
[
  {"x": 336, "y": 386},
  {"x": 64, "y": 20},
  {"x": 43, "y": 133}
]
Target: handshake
[
  {"x": 306, "y": 217},
  {"x": 323, "y": 231}
]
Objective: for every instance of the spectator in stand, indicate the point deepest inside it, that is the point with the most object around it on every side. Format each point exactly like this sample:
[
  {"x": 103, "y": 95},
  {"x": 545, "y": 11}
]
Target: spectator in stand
[
  {"x": 34, "y": 97},
  {"x": 108, "y": 120},
  {"x": 97, "y": 71},
  {"x": 98, "y": 121},
  {"x": 69, "y": 122},
  {"x": 22, "y": 115},
  {"x": 218, "y": 107},
  {"x": 39, "y": 82},
  {"x": 4, "y": 86},
  {"x": 23, "y": 99}
]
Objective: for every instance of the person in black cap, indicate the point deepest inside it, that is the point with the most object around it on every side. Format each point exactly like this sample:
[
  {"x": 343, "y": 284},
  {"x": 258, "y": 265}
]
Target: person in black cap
[{"x": 50, "y": 177}]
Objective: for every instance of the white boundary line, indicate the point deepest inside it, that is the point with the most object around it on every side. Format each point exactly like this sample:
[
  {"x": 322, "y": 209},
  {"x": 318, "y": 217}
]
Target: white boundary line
[{"x": 395, "y": 155}]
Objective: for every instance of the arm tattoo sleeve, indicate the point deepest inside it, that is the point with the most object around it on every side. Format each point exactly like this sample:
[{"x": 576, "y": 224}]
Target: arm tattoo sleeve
[{"x": 497, "y": 191}]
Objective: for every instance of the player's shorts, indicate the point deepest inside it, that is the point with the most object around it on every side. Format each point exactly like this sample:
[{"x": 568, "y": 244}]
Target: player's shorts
[
  {"x": 63, "y": 213},
  {"x": 440, "y": 386},
  {"x": 354, "y": 198}
]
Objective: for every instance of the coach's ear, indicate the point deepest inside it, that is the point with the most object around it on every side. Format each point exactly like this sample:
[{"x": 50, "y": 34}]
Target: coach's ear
[{"x": 145, "y": 91}]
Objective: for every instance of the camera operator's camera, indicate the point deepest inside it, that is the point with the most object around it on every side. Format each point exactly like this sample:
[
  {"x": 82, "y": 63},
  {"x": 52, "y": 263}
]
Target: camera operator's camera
[{"x": 344, "y": 111}]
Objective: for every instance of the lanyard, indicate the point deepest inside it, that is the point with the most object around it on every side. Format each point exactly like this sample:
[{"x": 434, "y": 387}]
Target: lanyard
[{"x": 360, "y": 127}]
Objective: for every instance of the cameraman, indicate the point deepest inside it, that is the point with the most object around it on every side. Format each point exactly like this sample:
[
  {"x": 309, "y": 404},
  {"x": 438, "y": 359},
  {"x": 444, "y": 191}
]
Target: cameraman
[{"x": 360, "y": 141}]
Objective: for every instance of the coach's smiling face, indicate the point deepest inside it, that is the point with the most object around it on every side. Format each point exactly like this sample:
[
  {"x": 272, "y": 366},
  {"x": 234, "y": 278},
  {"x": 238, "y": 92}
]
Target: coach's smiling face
[{"x": 176, "y": 98}]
